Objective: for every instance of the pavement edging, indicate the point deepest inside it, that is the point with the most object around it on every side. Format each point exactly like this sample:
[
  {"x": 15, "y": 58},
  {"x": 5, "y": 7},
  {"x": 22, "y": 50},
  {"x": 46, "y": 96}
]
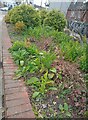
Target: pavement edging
[
  {"x": 1, "y": 77},
  {"x": 17, "y": 103}
]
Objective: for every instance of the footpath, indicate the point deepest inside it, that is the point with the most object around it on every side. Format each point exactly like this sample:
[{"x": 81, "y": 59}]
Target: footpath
[
  {"x": 1, "y": 71},
  {"x": 16, "y": 100}
]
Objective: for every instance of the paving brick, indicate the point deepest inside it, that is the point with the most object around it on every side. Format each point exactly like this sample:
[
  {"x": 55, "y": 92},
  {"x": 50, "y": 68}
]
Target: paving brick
[
  {"x": 8, "y": 61},
  {"x": 16, "y": 96},
  {"x": 9, "y": 70},
  {"x": 18, "y": 109},
  {"x": 9, "y": 74},
  {"x": 25, "y": 115},
  {"x": 17, "y": 102},
  {"x": 8, "y": 77},
  {"x": 7, "y": 57},
  {"x": 9, "y": 65},
  {"x": 7, "y": 81},
  {"x": 12, "y": 85},
  {"x": 15, "y": 90}
]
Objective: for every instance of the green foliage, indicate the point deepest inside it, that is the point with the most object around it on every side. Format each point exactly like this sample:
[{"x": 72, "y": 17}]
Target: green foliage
[
  {"x": 25, "y": 13},
  {"x": 72, "y": 50},
  {"x": 86, "y": 114},
  {"x": 47, "y": 59},
  {"x": 17, "y": 45},
  {"x": 84, "y": 63},
  {"x": 38, "y": 32},
  {"x": 56, "y": 20},
  {"x": 64, "y": 110},
  {"x": 8, "y": 15},
  {"x": 43, "y": 84},
  {"x": 43, "y": 14},
  {"x": 32, "y": 80},
  {"x": 20, "y": 26},
  {"x": 35, "y": 94},
  {"x": 30, "y": 59}
]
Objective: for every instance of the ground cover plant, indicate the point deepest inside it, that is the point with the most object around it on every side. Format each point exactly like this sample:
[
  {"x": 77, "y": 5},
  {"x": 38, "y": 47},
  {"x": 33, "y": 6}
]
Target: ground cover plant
[{"x": 53, "y": 66}]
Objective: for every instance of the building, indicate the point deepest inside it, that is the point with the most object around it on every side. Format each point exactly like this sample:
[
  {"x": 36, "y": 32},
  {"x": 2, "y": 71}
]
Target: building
[
  {"x": 59, "y": 5},
  {"x": 78, "y": 11},
  {"x": 52, "y": 4}
]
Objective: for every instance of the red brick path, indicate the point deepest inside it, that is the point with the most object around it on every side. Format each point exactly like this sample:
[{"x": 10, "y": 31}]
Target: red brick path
[{"x": 17, "y": 103}]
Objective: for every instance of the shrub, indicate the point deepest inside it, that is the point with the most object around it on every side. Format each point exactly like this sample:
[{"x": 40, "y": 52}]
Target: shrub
[
  {"x": 27, "y": 14},
  {"x": 56, "y": 20},
  {"x": 8, "y": 16},
  {"x": 20, "y": 26},
  {"x": 43, "y": 14}
]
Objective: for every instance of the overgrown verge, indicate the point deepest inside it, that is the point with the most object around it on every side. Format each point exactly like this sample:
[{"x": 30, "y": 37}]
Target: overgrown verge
[{"x": 50, "y": 62}]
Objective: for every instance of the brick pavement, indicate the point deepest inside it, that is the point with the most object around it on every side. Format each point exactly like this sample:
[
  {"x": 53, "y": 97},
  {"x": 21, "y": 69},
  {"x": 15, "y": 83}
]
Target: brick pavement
[{"x": 17, "y": 103}]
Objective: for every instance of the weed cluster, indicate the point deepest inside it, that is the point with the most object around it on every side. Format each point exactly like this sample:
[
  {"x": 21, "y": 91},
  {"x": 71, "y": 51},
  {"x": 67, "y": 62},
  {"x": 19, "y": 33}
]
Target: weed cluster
[
  {"x": 30, "y": 60},
  {"x": 71, "y": 50}
]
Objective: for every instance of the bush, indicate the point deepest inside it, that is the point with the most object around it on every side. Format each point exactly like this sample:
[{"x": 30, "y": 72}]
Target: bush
[
  {"x": 8, "y": 16},
  {"x": 20, "y": 26},
  {"x": 43, "y": 14},
  {"x": 56, "y": 20},
  {"x": 27, "y": 14}
]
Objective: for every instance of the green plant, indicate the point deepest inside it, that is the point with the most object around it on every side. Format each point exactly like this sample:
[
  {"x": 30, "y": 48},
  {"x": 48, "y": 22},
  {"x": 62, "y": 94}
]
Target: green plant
[
  {"x": 43, "y": 14},
  {"x": 17, "y": 45},
  {"x": 47, "y": 59},
  {"x": 8, "y": 15},
  {"x": 72, "y": 50},
  {"x": 19, "y": 26},
  {"x": 64, "y": 110},
  {"x": 83, "y": 63},
  {"x": 43, "y": 84},
  {"x": 27, "y": 14},
  {"x": 55, "y": 19}
]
